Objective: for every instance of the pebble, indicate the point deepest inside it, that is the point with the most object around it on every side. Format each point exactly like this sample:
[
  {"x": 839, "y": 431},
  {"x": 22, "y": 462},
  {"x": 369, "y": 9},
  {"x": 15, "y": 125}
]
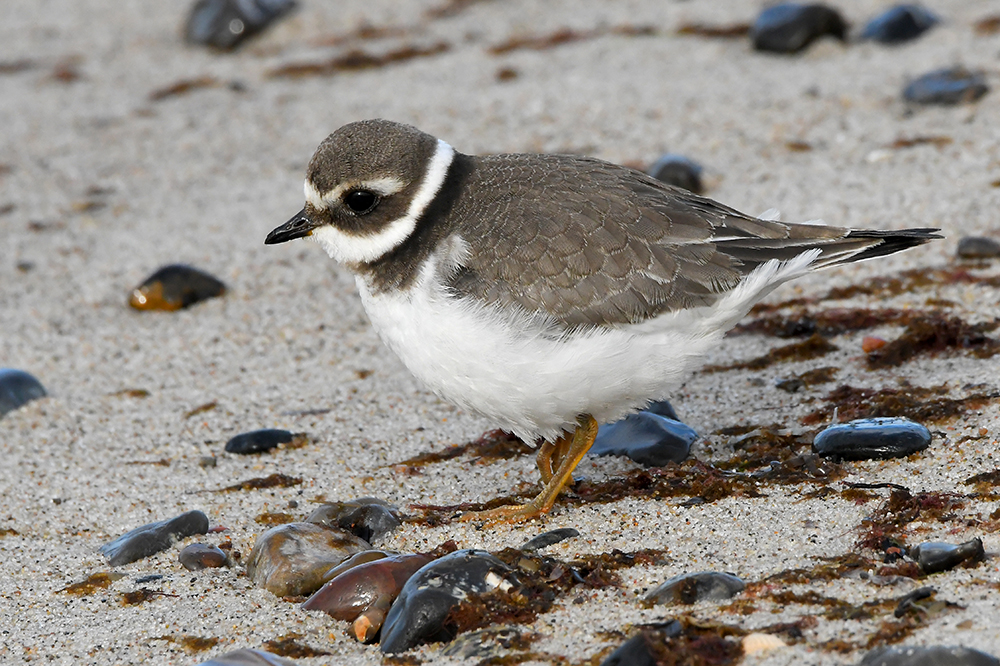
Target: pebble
[
  {"x": 258, "y": 441},
  {"x": 953, "y": 85},
  {"x": 934, "y": 556},
  {"x": 933, "y": 655},
  {"x": 693, "y": 587},
  {"x": 17, "y": 388},
  {"x": 635, "y": 651},
  {"x": 364, "y": 593},
  {"x": 978, "y": 247},
  {"x": 225, "y": 24},
  {"x": 489, "y": 646},
  {"x": 357, "y": 559},
  {"x": 248, "y": 657},
  {"x": 791, "y": 27},
  {"x": 899, "y": 24},
  {"x": 175, "y": 287},
  {"x": 759, "y": 642},
  {"x": 153, "y": 538},
  {"x": 647, "y": 438},
  {"x": 197, "y": 556},
  {"x": 865, "y": 439},
  {"x": 295, "y": 558},
  {"x": 426, "y": 599},
  {"x": 550, "y": 538},
  {"x": 678, "y": 171},
  {"x": 369, "y": 518}
]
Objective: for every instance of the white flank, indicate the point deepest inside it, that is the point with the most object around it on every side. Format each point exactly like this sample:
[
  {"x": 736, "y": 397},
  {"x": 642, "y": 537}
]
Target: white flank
[{"x": 361, "y": 248}]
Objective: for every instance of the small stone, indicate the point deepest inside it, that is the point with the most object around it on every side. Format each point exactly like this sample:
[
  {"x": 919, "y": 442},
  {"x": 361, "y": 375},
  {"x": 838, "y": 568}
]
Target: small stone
[
  {"x": 953, "y": 85},
  {"x": 295, "y": 558},
  {"x": 791, "y": 27},
  {"x": 978, "y": 247},
  {"x": 790, "y": 384},
  {"x": 17, "y": 387},
  {"x": 207, "y": 462},
  {"x": 363, "y": 594},
  {"x": 899, "y": 24},
  {"x": 636, "y": 650},
  {"x": 259, "y": 441},
  {"x": 427, "y": 598},
  {"x": 870, "y": 343},
  {"x": 225, "y": 24},
  {"x": 248, "y": 657},
  {"x": 758, "y": 642},
  {"x": 197, "y": 556},
  {"x": 934, "y": 655},
  {"x": 487, "y": 645},
  {"x": 153, "y": 538},
  {"x": 174, "y": 287},
  {"x": 934, "y": 556},
  {"x": 647, "y": 438},
  {"x": 369, "y": 518},
  {"x": 865, "y": 439},
  {"x": 678, "y": 171},
  {"x": 550, "y": 538},
  {"x": 694, "y": 587}
]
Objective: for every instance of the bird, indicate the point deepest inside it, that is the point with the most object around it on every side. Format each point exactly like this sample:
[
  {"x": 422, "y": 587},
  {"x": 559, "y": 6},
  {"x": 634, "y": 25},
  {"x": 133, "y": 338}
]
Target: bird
[{"x": 545, "y": 292}]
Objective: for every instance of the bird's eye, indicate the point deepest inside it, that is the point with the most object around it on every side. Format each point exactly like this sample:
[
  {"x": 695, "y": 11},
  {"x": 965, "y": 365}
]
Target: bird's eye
[{"x": 361, "y": 201}]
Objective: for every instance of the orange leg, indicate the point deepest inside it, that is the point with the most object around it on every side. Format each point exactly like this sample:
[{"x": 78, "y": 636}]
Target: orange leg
[{"x": 567, "y": 452}]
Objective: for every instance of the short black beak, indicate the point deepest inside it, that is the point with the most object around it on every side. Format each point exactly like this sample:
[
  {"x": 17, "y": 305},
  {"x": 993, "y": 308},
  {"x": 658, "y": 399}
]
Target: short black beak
[{"x": 299, "y": 226}]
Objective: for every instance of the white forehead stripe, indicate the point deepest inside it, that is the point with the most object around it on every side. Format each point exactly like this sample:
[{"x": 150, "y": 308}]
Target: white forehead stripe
[{"x": 357, "y": 249}]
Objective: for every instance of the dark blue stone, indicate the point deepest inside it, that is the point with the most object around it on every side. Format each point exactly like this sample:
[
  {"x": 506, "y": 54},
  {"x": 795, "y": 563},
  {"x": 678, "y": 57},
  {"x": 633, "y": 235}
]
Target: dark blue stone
[
  {"x": 678, "y": 171},
  {"x": 934, "y": 556},
  {"x": 953, "y": 85},
  {"x": 899, "y": 24},
  {"x": 647, "y": 438},
  {"x": 865, "y": 439},
  {"x": 154, "y": 537},
  {"x": 934, "y": 655},
  {"x": 258, "y": 441},
  {"x": 546, "y": 539},
  {"x": 701, "y": 586},
  {"x": 423, "y": 605},
  {"x": 225, "y": 24},
  {"x": 17, "y": 387},
  {"x": 636, "y": 650},
  {"x": 791, "y": 27}
]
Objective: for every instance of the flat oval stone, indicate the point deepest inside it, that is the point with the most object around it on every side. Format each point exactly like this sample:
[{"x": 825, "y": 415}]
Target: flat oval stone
[
  {"x": 934, "y": 556},
  {"x": 295, "y": 558},
  {"x": 679, "y": 171},
  {"x": 197, "y": 556},
  {"x": 175, "y": 287},
  {"x": 550, "y": 538},
  {"x": 978, "y": 247},
  {"x": 153, "y": 538},
  {"x": 791, "y": 27},
  {"x": 248, "y": 657},
  {"x": 225, "y": 24},
  {"x": 693, "y": 587},
  {"x": 258, "y": 441},
  {"x": 17, "y": 388},
  {"x": 636, "y": 650},
  {"x": 865, "y": 439},
  {"x": 647, "y": 438},
  {"x": 899, "y": 24},
  {"x": 423, "y": 605},
  {"x": 369, "y": 518},
  {"x": 933, "y": 655},
  {"x": 952, "y": 85}
]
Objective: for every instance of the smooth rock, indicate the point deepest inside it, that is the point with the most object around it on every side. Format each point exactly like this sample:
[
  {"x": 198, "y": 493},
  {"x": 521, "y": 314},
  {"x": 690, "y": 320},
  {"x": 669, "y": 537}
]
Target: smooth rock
[
  {"x": 899, "y": 24},
  {"x": 978, "y": 247},
  {"x": 197, "y": 556},
  {"x": 486, "y": 644},
  {"x": 791, "y": 27},
  {"x": 225, "y": 24},
  {"x": 934, "y": 655},
  {"x": 248, "y": 657},
  {"x": 647, "y": 438},
  {"x": 678, "y": 171},
  {"x": 258, "y": 441},
  {"x": 952, "y": 85},
  {"x": 364, "y": 593},
  {"x": 369, "y": 518},
  {"x": 356, "y": 560},
  {"x": 693, "y": 587},
  {"x": 636, "y": 650},
  {"x": 295, "y": 558},
  {"x": 865, "y": 439},
  {"x": 934, "y": 556},
  {"x": 175, "y": 287},
  {"x": 17, "y": 387},
  {"x": 426, "y": 599},
  {"x": 550, "y": 538},
  {"x": 154, "y": 537}
]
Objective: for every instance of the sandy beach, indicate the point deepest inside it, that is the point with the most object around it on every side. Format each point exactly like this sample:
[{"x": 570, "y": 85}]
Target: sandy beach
[{"x": 109, "y": 170}]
